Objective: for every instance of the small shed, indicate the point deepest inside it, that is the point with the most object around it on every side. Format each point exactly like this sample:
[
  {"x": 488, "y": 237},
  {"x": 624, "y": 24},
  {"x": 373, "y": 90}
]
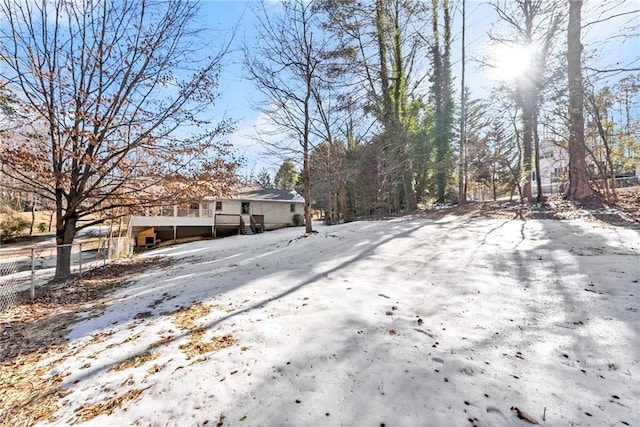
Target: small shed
[{"x": 146, "y": 238}]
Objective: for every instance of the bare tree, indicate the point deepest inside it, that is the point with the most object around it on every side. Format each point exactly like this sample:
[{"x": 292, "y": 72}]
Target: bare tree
[
  {"x": 611, "y": 132},
  {"x": 462, "y": 162},
  {"x": 112, "y": 95},
  {"x": 533, "y": 25},
  {"x": 284, "y": 65},
  {"x": 621, "y": 18}
]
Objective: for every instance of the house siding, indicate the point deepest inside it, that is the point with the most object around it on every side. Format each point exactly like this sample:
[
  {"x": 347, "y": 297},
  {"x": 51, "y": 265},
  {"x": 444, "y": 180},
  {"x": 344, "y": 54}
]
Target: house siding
[{"x": 276, "y": 214}]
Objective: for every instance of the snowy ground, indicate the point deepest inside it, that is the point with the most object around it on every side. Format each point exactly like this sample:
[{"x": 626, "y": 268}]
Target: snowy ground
[{"x": 411, "y": 322}]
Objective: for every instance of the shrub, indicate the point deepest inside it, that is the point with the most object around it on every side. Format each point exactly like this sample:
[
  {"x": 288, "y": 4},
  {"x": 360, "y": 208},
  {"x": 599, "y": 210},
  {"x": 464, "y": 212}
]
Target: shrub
[
  {"x": 12, "y": 226},
  {"x": 42, "y": 227},
  {"x": 297, "y": 220}
]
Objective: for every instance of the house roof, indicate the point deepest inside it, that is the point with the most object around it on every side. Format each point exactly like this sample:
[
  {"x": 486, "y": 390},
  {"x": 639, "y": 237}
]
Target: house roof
[{"x": 267, "y": 194}]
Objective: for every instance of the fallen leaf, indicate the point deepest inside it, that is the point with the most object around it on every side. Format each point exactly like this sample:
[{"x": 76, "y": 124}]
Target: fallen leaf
[{"x": 523, "y": 415}]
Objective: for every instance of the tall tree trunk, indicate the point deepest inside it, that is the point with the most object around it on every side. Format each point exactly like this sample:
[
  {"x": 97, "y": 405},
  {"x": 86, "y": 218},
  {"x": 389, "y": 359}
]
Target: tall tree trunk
[
  {"x": 399, "y": 111},
  {"x": 65, "y": 232},
  {"x": 535, "y": 23},
  {"x": 442, "y": 95},
  {"x": 494, "y": 186},
  {"x": 306, "y": 169},
  {"x": 51, "y": 214},
  {"x": 527, "y": 145},
  {"x": 462, "y": 186},
  {"x": 578, "y": 179},
  {"x": 536, "y": 142},
  {"x": 342, "y": 199},
  {"x": 444, "y": 113},
  {"x": 382, "y": 51},
  {"x": 33, "y": 214}
]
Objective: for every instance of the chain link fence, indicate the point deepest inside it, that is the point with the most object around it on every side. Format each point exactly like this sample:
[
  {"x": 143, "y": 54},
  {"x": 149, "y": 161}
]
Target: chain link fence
[{"x": 24, "y": 269}]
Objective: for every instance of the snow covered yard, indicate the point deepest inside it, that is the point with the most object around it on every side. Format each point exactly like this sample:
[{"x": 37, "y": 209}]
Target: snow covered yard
[{"x": 410, "y": 322}]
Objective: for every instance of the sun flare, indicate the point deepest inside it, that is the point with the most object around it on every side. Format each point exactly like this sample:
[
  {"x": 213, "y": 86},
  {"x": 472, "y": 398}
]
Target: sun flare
[{"x": 511, "y": 62}]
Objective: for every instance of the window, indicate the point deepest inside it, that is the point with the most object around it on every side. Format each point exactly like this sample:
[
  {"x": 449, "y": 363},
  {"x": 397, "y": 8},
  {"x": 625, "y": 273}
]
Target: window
[
  {"x": 245, "y": 207},
  {"x": 194, "y": 209},
  {"x": 218, "y": 206},
  {"x": 293, "y": 207}
]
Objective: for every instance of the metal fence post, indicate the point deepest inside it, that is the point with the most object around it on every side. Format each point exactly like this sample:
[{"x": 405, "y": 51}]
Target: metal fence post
[
  {"x": 80, "y": 257},
  {"x": 33, "y": 273}
]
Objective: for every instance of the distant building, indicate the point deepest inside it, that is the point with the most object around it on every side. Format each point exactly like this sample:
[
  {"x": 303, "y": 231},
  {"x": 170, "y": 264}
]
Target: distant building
[
  {"x": 554, "y": 170},
  {"x": 554, "y": 165},
  {"x": 249, "y": 210}
]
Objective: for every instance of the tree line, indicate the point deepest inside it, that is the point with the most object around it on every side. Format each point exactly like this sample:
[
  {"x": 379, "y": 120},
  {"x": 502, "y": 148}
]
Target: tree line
[
  {"x": 364, "y": 95},
  {"x": 102, "y": 106}
]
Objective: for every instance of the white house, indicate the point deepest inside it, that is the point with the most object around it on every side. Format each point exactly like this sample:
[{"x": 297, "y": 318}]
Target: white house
[
  {"x": 554, "y": 161},
  {"x": 249, "y": 210},
  {"x": 554, "y": 166}
]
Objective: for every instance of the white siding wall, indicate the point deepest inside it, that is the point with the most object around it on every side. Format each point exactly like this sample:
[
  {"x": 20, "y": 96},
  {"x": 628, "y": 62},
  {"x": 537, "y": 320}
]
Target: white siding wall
[
  {"x": 229, "y": 207},
  {"x": 276, "y": 214}
]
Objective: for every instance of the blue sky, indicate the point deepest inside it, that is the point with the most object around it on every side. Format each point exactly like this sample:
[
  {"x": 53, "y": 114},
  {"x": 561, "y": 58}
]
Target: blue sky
[{"x": 236, "y": 92}]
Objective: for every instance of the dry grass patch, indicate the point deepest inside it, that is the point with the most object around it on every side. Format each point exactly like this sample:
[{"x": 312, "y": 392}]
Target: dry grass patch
[
  {"x": 155, "y": 369},
  {"x": 161, "y": 342},
  {"x": 101, "y": 337},
  {"x": 135, "y": 361},
  {"x": 126, "y": 340},
  {"x": 28, "y": 395},
  {"x": 186, "y": 318},
  {"x": 86, "y": 413},
  {"x": 197, "y": 346}
]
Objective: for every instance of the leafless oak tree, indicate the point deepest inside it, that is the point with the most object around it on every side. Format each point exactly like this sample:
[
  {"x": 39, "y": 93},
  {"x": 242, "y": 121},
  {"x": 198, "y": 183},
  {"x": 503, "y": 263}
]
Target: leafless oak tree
[{"x": 112, "y": 103}]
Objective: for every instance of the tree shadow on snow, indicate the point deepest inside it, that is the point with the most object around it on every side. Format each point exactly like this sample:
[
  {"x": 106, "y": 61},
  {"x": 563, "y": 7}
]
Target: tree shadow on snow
[
  {"x": 156, "y": 297},
  {"x": 575, "y": 307}
]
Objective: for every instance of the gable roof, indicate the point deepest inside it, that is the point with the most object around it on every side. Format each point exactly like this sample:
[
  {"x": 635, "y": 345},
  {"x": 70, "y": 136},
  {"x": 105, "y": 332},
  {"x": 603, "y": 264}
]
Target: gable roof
[{"x": 267, "y": 194}]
